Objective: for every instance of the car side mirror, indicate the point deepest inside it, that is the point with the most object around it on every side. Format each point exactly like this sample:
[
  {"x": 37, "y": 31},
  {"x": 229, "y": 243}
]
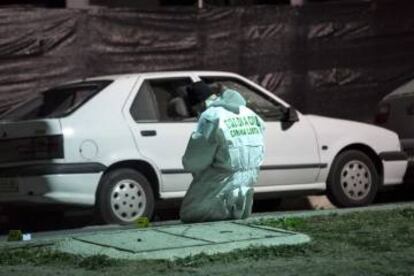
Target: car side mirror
[{"x": 290, "y": 115}]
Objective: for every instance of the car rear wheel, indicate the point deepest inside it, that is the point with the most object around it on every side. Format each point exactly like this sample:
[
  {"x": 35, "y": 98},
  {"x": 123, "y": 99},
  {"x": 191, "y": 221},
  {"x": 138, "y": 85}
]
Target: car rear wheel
[
  {"x": 124, "y": 196},
  {"x": 353, "y": 180}
]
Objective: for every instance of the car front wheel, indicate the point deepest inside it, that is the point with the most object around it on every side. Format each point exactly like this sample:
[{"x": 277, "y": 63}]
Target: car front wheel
[
  {"x": 353, "y": 180},
  {"x": 124, "y": 195}
]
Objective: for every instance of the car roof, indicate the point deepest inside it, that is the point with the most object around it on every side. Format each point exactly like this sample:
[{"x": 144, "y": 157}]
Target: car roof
[
  {"x": 406, "y": 89},
  {"x": 158, "y": 74}
]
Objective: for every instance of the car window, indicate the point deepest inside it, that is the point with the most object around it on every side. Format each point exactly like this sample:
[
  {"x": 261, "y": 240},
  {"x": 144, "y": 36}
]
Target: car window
[
  {"x": 57, "y": 102},
  {"x": 163, "y": 100},
  {"x": 144, "y": 106},
  {"x": 260, "y": 103}
]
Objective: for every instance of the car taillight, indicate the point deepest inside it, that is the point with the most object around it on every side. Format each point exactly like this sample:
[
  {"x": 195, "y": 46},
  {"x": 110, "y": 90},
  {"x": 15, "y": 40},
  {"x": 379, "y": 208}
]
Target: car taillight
[
  {"x": 43, "y": 147},
  {"x": 48, "y": 147},
  {"x": 383, "y": 114}
]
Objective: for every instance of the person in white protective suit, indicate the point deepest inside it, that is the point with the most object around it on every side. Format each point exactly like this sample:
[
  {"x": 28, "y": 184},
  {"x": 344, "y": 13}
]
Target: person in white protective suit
[{"x": 224, "y": 155}]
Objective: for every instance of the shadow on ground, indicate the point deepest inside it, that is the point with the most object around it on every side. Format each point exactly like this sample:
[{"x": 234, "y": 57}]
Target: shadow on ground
[{"x": 32, "y": 220}]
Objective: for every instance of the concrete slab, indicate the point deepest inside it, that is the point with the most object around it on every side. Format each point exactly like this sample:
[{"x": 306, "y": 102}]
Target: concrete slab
[
  {"x": 224, "y": 232},
  {"x": 178, "y": 241},
  {"x": 136, "y": 241}
]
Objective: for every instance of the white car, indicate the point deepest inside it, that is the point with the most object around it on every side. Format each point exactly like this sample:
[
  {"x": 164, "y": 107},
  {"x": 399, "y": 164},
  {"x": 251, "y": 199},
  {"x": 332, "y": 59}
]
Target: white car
[
  {"x": 116, "y": 143},
  {"x": 396, "y": 112}
]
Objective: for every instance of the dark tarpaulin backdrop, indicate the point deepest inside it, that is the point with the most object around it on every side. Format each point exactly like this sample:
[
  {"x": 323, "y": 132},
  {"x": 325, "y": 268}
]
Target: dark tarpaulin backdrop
[{"x": 330, "y": 59}]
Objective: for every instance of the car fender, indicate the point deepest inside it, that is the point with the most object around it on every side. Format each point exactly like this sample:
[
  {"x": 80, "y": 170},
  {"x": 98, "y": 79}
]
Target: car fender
[
  {"x": 334, "y": 135},
  {"x": 127, "y": 158}
]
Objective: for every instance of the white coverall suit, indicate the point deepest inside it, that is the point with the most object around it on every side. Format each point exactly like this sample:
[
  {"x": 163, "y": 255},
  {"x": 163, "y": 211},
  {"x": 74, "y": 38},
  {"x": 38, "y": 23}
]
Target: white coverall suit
[{"x": 224, "y": 155}]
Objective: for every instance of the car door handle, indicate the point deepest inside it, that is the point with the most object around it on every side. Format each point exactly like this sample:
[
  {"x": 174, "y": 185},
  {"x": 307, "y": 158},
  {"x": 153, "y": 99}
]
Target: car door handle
[{"x": 148, "y": 133}]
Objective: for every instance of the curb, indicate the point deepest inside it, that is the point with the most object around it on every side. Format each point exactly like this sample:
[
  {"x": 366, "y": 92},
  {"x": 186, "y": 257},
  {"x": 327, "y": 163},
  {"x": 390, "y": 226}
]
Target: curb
[{"x": 328, "y": 212}]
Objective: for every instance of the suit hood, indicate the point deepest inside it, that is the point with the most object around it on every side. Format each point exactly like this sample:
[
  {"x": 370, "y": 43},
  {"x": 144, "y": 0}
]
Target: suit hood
[{"x": 230, "y": 100}]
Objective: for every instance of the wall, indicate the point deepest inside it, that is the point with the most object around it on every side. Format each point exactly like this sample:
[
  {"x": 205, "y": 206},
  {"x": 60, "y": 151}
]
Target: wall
[{"x": 329, "y": 59}]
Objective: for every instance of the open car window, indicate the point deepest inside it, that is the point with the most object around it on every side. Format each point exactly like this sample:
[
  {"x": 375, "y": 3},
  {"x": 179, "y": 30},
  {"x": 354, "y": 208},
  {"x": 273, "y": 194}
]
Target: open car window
[
  {"x": 56, "y": 102},
  {"x": 162, "y": 100},
  {"x": 264, "y": 106}
]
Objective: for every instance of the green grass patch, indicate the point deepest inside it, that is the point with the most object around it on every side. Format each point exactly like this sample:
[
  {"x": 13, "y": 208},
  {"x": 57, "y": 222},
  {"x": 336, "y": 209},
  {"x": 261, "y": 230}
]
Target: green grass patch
[
  {"x": 44, "y": 256},
  {"x": 289, "y": 223},
  {"x": 359, "y": 243}
]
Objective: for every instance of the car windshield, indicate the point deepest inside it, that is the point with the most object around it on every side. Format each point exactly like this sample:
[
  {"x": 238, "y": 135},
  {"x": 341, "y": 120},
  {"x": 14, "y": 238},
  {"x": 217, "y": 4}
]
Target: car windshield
[{"x": 55, "y": 103}]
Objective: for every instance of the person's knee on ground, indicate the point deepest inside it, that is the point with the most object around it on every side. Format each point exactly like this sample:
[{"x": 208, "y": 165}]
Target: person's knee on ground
[{"x": 249, "y": 204}]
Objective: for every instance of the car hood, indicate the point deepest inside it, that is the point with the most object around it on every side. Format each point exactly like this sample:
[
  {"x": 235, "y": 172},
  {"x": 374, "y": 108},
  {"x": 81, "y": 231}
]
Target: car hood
[
  {"x": 330, "y": 131},
  {"x": 405, "y": 90}
]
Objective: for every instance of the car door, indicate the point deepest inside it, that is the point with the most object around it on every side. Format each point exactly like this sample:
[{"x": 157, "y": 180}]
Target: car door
[
  {"x": 291, "y": 150},
  {"x": 162, "y": 127}
]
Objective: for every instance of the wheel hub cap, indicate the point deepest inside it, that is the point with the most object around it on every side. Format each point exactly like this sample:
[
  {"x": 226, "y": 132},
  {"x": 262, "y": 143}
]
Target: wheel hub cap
[
  {"x": 356, "y": 180},
  {"x": 128, "y": 200}
]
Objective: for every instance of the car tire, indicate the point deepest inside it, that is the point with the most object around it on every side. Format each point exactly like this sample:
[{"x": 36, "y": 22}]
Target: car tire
[
  {"x": 353, "y": 180},
  {"x": 124, "y": 195}
]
